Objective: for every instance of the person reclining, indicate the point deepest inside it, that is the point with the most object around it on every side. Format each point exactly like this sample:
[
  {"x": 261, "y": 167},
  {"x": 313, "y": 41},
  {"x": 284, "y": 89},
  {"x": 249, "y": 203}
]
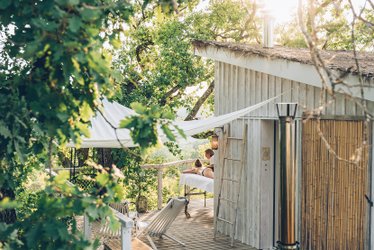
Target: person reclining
[
  {"x": 200, "y": 170},
  {"x": 209, "y": 154}
]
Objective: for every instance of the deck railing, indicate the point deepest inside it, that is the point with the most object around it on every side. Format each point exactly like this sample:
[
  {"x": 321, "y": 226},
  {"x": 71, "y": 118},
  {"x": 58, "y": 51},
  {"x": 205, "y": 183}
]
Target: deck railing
[
  {"x": 126, "y": 223},
  {"x": 160, "y": 171}
]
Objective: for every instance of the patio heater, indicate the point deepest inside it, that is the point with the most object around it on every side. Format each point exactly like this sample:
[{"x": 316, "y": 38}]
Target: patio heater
[{"x": 286, "y": 113}]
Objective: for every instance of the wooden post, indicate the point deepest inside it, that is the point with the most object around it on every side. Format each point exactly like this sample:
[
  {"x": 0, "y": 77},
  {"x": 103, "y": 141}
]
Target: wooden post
[
  {"x": 86, "y": 227},
  {"x": 126, "y": 227},
  {"x": 159, "y": 189},
  {"x": 126, "y": 235}
]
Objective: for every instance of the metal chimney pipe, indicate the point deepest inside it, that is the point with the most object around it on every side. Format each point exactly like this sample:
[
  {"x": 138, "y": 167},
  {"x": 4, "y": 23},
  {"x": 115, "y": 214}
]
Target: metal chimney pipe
[
  {"x": 287, "y": 178},
  {"x": 267, "y": 32}
]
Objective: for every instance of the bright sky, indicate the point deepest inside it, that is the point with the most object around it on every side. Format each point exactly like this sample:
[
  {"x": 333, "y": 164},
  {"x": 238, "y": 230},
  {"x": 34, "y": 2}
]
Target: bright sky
[
  {"x": 284, "y": 10},
  {"x": 281, "y": 10}
]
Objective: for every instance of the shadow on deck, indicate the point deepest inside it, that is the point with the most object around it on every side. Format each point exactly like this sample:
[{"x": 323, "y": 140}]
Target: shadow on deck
[{"x": 196, "y": 232}]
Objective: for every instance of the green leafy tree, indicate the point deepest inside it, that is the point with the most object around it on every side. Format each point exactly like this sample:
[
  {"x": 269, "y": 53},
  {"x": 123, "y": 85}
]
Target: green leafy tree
[
  {"x": 331, "y": 27},
  {"x": 158, "y": 63},
  {"x": 56, "y": 61},
  {"x": 289, "y": 35},
  {"x": 138, "y": 181},
  {"x": 227, "y": 21},
  {"x": 54, "y": 67},
  {"x": 158, "y": 66}
]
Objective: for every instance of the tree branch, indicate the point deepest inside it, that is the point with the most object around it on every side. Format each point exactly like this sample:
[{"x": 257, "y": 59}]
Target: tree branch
[
  {"x": 139, "y": 49},
  {"x": 200, "y": 102},
  {"x": 359, "y": 16},
  {"x": 168, "y": 94}
]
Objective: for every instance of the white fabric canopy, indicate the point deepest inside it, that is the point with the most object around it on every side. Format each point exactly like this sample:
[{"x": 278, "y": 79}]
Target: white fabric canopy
[
  {"x": 103, "y": 134},
  {"x": 197, "y": 126}
]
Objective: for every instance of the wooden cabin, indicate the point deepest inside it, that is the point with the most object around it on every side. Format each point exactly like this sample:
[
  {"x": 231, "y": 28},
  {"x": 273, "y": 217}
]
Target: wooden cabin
[{"x": 333, "y": 196}]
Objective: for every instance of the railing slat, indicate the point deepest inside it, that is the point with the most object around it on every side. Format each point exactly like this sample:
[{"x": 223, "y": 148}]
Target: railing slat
[
  {"x": 159, "y": 189},
  {"x": 86, "y": 227},
  {"x": 173, "y": 163}
]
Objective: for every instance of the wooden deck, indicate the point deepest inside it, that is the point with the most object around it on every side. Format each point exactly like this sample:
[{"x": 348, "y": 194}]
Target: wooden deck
[{"x": 196, "y": 232}]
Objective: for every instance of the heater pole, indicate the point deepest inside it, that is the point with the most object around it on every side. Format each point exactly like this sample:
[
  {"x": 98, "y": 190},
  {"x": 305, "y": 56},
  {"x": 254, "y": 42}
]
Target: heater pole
[{"x": 287, "y": 182}]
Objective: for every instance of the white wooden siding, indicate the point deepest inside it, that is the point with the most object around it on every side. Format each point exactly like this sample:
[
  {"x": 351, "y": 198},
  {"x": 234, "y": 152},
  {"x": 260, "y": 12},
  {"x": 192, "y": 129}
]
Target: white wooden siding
[
  {"x": 235, "y": 88},
  {"x": 234, "y": 83}
]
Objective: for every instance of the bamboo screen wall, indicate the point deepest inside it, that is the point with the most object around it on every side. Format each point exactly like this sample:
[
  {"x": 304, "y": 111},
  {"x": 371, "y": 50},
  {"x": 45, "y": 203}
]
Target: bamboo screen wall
[{"x": 334, "y": 208}]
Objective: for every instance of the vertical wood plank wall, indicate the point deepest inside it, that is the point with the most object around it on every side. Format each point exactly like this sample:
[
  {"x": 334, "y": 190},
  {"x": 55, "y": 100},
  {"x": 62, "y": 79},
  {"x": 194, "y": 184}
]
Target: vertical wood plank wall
[
  {"x": 334, "y": 208},
  {"x": 236, "y": 88}
]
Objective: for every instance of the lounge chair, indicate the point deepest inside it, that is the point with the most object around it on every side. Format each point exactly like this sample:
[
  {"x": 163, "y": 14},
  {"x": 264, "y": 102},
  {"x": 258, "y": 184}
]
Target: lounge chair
[
  {"x": 163, "y": 220},
  {"x": 122, "y": 208}
]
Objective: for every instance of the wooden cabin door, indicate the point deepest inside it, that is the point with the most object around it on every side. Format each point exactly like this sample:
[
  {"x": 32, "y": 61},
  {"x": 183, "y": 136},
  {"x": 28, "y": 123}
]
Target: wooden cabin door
[{"x": 334, "y": 210}]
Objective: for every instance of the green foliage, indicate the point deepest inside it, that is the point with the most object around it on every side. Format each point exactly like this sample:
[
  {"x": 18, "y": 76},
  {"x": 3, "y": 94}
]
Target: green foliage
[
  {"x": 53, "y": 69},
  {"x": 226, "y": 20},
  {"x": 171, "y": 186},
  {"x": 289, "y": 35},
  {"x": 143, "y": 182},
  {"x": 65, "y": 67},
  {"x": 138, "y": 181},
  {"x": 330, "y": 24},
  {"x": 6, "y": 203},
  {"x": 167, "y": 65},
  {"x": 28, "y": 193},
  {"x": 173, "y": 148},
  {"x": 158, "y": 61},
  {"x": 27, "y": 203},
  {"x": 52, "y": 223}
]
